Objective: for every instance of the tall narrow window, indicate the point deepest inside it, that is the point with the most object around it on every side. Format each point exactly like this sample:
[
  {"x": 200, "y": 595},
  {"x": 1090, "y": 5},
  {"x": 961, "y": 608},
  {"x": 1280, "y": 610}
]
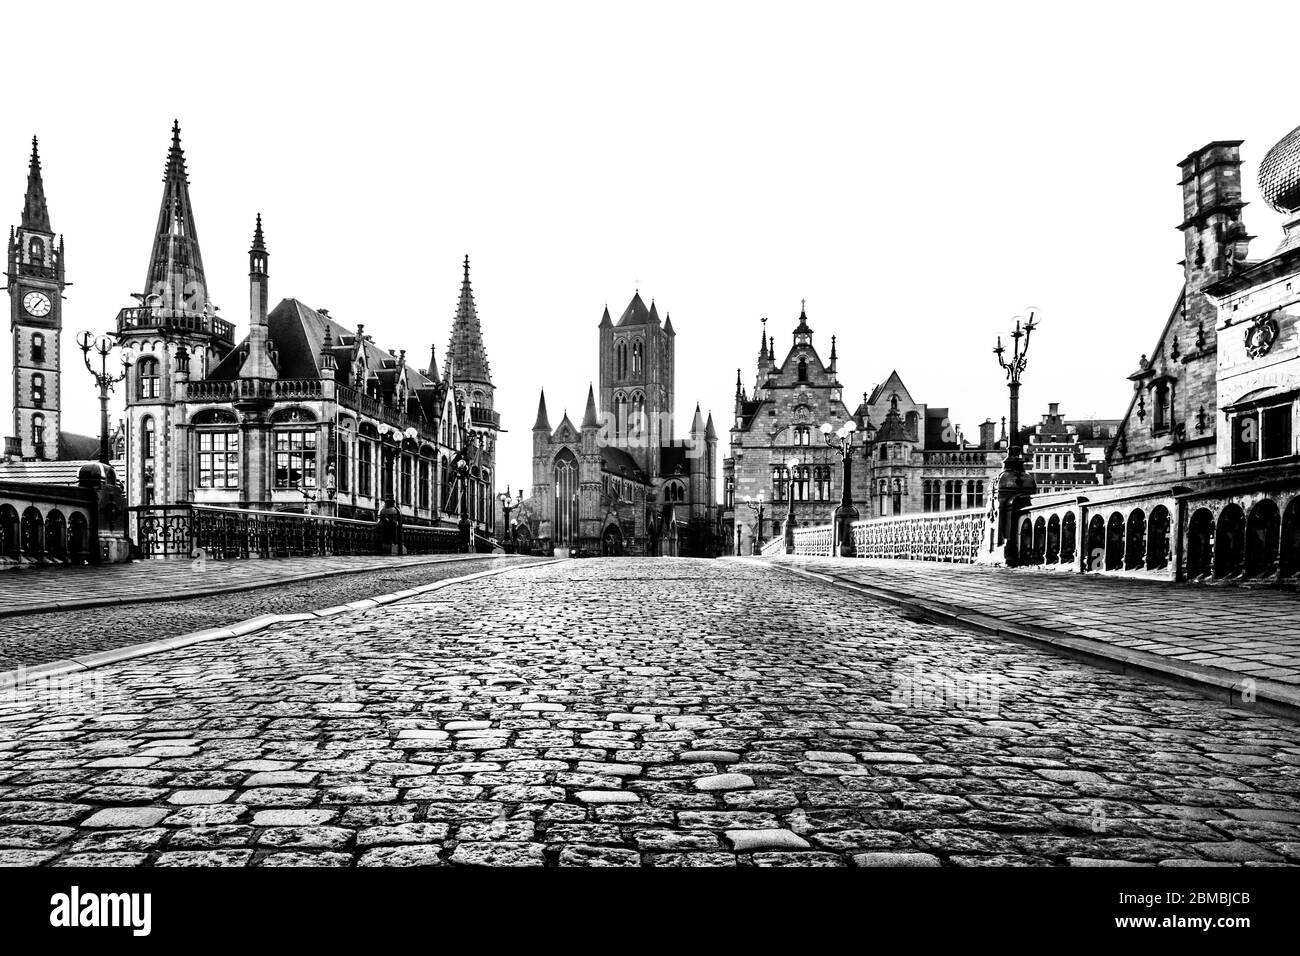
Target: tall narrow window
[
  {"x": 424, "y": 483},
  {"x": 38, "y": 434},
  {"x": 803, "y": 370},
  {"x": 1163, "y": 406},
  {"x": 147, "y": 369},
  {"x": 38, "y": 348},
  {"x": 638, "y": 357},
  {"x": 343, "y": 465},
  {"x": 365, "y": 467},
  {"x": 38, "y": 390},
  {"x": 566, "y": 498},
  {"x": 407, "y": 464}
]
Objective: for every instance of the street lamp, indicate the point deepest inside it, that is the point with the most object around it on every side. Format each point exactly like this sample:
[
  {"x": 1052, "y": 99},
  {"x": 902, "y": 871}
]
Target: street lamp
[
  {"x": 102, "y": 345},
  {"x": 841, "y": 440},
  {"x": 507, "y": 505},
  {"x": 1014, "y": 482},
  {"x": 792, "y": 464},
  {"x": 756, "y": 505}
]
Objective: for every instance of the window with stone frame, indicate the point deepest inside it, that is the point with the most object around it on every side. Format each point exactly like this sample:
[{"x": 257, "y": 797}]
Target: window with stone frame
[
  {"x": 1162, "y": 401},
  {"x": 424, "y": 483},
  {"x": 38, "y": 348},
  {"x": 780, "y": 479},
  {"x": 365, "y": 467},
  {"x": 930, "y": 492},
  {"x": 295, "y": 458},
  {"x": 218, "y": 459},
  {"x": 147, "y": 372},
  {"x": 38, "y": 390},
  {"x": 821, "y": 483},
  {"x": 1262, "y": 433}
]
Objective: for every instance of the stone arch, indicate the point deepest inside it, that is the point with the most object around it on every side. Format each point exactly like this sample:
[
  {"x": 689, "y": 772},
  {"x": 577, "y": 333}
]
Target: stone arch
[
  {"x": 1095, "y": 559},
  {"x": 56, "y": 535},
  {"x": 1040, "y": 540},
  {"x": 1289, "y": 548},
  {"x": 79, "y": 538},
  {"x": 1263, "y": 538},
  {"x": 1229, "y": 542},
  {"x": 1200, "y": 544},
  {"x": 1053, "y": 553},
  {"x": 1135, "y": 540},
  {"x": 1115, "y": 542},
  {"x": 1157, "y": 557},
  {"x": 32, "y": 532},
  {"x": 1026, "y": 547},
  {"x": 611, "y": 540},
  {"x": 10, "y": 542},
  {"x": 1069, "y": 535}
]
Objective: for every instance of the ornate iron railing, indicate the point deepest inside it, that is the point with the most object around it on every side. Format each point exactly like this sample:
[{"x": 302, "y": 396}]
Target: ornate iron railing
[
  {"x": 183, "y": 531},
  {"x": 952, "y": 536}
]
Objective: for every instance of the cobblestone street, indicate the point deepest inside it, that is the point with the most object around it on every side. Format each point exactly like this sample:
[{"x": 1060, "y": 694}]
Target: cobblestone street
[{"x": 630, "y": 712}]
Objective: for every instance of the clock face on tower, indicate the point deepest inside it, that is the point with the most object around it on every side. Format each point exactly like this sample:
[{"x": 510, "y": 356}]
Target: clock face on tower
[{"x": 37, "y": 304}]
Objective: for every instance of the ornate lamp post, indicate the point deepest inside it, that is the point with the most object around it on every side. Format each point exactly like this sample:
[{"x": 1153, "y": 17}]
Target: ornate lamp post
[
  {"x": 841, "y": 440},
  {"x": 507, "y": 506},
  {"x": 103, "y": 345},
  {"x": 792, "y": 464},
  {"x": 756, "y": 506},
  {"x": 1015, "y": 482}
]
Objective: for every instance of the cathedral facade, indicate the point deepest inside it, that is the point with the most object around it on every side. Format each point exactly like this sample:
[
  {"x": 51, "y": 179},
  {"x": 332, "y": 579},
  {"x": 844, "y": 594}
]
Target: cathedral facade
[
  {"x": 908, "y": 457},
  {"x": 302, "y": 413},
  {"x": 622, "y": 482}
]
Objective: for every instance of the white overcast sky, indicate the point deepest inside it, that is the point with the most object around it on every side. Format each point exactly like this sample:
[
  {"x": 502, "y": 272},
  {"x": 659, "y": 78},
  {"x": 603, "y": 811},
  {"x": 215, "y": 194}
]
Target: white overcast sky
[{"x": 918, "y": 172}]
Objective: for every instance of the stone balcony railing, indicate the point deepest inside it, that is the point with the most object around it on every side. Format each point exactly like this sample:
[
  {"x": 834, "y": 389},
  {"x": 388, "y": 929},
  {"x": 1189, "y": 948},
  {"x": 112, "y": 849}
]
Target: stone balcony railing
[
  {"x": 953, "y": 536},
  {"x": 174, "y": 320}
]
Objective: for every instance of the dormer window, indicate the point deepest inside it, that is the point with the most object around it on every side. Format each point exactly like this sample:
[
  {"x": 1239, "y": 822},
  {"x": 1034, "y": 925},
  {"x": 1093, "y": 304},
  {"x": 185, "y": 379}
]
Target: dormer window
[{"x": 1162, "y": 405}]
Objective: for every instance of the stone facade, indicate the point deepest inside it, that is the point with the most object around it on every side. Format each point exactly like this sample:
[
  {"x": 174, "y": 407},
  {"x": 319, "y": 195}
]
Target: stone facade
[
  {"x": 909, "y": 457},
  {"x": 1064, "y": 455},
  {"x": 303, "y": 414},
  {"x": 621, "y": 482}
]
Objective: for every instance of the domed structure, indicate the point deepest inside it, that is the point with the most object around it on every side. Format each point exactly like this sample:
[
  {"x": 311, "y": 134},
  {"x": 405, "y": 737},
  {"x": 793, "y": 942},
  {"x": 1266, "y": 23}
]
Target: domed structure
[{"x": 1279, "y": 174}]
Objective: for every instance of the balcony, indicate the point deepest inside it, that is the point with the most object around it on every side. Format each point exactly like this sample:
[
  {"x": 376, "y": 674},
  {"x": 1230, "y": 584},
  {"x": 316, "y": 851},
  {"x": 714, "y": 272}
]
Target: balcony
[
  {"x": 210, "y": 391},
  {"x": 300, "y": 388},
  {"x": 174, "y": 320},
  {"x": 485, "y": 416}
]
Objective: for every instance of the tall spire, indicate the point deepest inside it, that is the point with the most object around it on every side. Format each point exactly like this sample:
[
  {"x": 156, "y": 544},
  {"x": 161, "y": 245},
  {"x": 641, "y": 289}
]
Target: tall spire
[
  {"x": 175, "y": 265},
  {"x": 466, "y": 351},
  {"x": 543, "y": 422},
  {"x": 36, "y": 216},
  {"x": 432, "y": 373},
  {"x": 590, "y": 419}
]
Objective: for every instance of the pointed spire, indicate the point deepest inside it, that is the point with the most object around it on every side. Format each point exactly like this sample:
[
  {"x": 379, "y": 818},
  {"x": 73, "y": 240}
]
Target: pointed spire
[
  {"x": 697, "y": 423},
  {"x": 590, "y": 419},
  {"x": 739, "y": 388},
  {"x": 36, "y": 216},
  {"x": 466, "y": 350},
  {"x": 259, "y": 240},
  {"x": 710, "y": 433},
  {"x": 832, "y": 350},
  {"x": 668, "y": 323},
  {"x": 762, "y": 348},
  {"x": 175, "y": 264},
  {"x": 605, "y": 321},
  {"x": 432, "y": 372},
  {"x": 543, "y": 422}
]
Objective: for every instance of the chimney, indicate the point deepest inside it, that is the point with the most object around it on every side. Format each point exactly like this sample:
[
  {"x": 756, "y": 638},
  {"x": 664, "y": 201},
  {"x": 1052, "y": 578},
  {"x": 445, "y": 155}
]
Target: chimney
[{"x": 986, "y": 433}]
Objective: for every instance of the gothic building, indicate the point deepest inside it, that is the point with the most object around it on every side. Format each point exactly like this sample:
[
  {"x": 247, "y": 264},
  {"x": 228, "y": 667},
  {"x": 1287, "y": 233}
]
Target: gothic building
[
  {"x": 621, "y": 482},
  {"x": 908, "y": 457},
  {"x": 1065, "y": 455},
  {"x": 1170, "y": 429},
  {"x": 35, "y": 285},
  {"x": 300, "y": 414}
]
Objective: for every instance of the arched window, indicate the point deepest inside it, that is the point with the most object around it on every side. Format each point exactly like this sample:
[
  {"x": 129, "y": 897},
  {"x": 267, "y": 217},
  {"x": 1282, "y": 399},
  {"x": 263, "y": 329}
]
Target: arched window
[
  {"x": 620, "y": 414},
  {"x": 147, "y": 369},
  {"x": 883, "y": 491},
  {"x": 803, "y": 370},
  {"x": 38, "y": 389},
  {"x": 636, "y": 415},
  {"x": 36, "y": 252},
  {"x": 822, "y": 483},
  {"x": 1164, "y": 398},
  {"x": 148, "y": 448},
  {"x": 780, "y": 479},
  {"x": 38, "y": 434},
  {"x": 729, "y": 493},
  {"x": 898, "y": 496},
  {"x": 566, "y": 497},
  {"x": 620, "y": 354},
  {"x": 803, "y": 435},
  {"x": 801, "y": 477},
  {"x": 638, "y": 357},
  {"x": 38, "y": 348}
]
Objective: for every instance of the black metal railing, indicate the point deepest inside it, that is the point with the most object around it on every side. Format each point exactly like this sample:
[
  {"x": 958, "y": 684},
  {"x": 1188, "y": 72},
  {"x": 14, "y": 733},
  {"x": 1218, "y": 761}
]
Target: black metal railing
[
  {"x": 185, "y": 531},
  {"x": 183, "y": 320}
]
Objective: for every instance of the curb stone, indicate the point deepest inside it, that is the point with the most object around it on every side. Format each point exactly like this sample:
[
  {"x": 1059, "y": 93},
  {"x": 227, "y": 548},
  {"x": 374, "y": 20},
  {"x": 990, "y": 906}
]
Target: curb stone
[{"x": 9, "y": 679}]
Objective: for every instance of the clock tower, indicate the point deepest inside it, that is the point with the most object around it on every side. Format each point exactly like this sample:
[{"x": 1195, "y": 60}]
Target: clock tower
[{"x": 35, "y": 287}]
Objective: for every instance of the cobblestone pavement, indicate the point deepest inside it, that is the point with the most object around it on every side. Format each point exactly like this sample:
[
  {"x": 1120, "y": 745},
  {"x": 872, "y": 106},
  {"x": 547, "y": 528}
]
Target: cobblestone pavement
[
  {"x": 39, "y": 638},
  {"x": 1250, "y": 631},
  {"x": 630, "y": 712},
  {"x": 27, "y": 590}
]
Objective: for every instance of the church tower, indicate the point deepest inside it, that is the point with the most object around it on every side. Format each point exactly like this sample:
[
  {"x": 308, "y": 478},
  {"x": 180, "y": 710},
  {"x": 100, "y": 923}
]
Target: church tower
[
  {"x": 636, "y": 381},
  {"x": 178, "y": 339},
  {"x": 466, "y": 368},
  {"x": 36, "y": 320}
]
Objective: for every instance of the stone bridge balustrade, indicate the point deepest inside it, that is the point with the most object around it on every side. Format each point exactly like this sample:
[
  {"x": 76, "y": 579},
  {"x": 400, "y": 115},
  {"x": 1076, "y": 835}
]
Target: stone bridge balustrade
[
  {"x": 952, "y": 536},
  {"x": 47, "y": 525}
]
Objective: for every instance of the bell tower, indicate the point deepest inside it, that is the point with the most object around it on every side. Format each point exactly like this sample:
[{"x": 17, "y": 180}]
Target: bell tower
[{"x": 36, "y": 321}]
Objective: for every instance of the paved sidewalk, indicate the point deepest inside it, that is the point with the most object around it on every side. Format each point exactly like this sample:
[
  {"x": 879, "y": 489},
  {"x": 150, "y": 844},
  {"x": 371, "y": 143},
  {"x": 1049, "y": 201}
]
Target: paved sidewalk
[
  {"x": 1232, "y": 632},
  {"x": 57, "y": 589}
]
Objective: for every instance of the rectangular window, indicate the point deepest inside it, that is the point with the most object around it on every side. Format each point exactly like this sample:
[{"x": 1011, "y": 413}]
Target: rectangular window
[
  {"x": 406, "y": 479},
  {"x": 343, "y": 468},
  {"x": 295, "y": 459},
  {"x": 365, "y": 468},
  {"x": 1277, "y": 432},
  {"x": 218, "y": 459},
  {"x": 424, "y": 484}
]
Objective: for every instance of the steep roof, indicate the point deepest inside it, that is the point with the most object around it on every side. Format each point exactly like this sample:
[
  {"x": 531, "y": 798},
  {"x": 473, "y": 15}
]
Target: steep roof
[
  {"x": 590, "y": 419},
  {"x": 466, "y": 351},
  {"x": 175, "y": 257},
  {"x": 36, "y": 216},
  {"x": 894, "y": 383},
  {"x": 543, "y": 421},
  {"x": 636, "y": 313}
]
